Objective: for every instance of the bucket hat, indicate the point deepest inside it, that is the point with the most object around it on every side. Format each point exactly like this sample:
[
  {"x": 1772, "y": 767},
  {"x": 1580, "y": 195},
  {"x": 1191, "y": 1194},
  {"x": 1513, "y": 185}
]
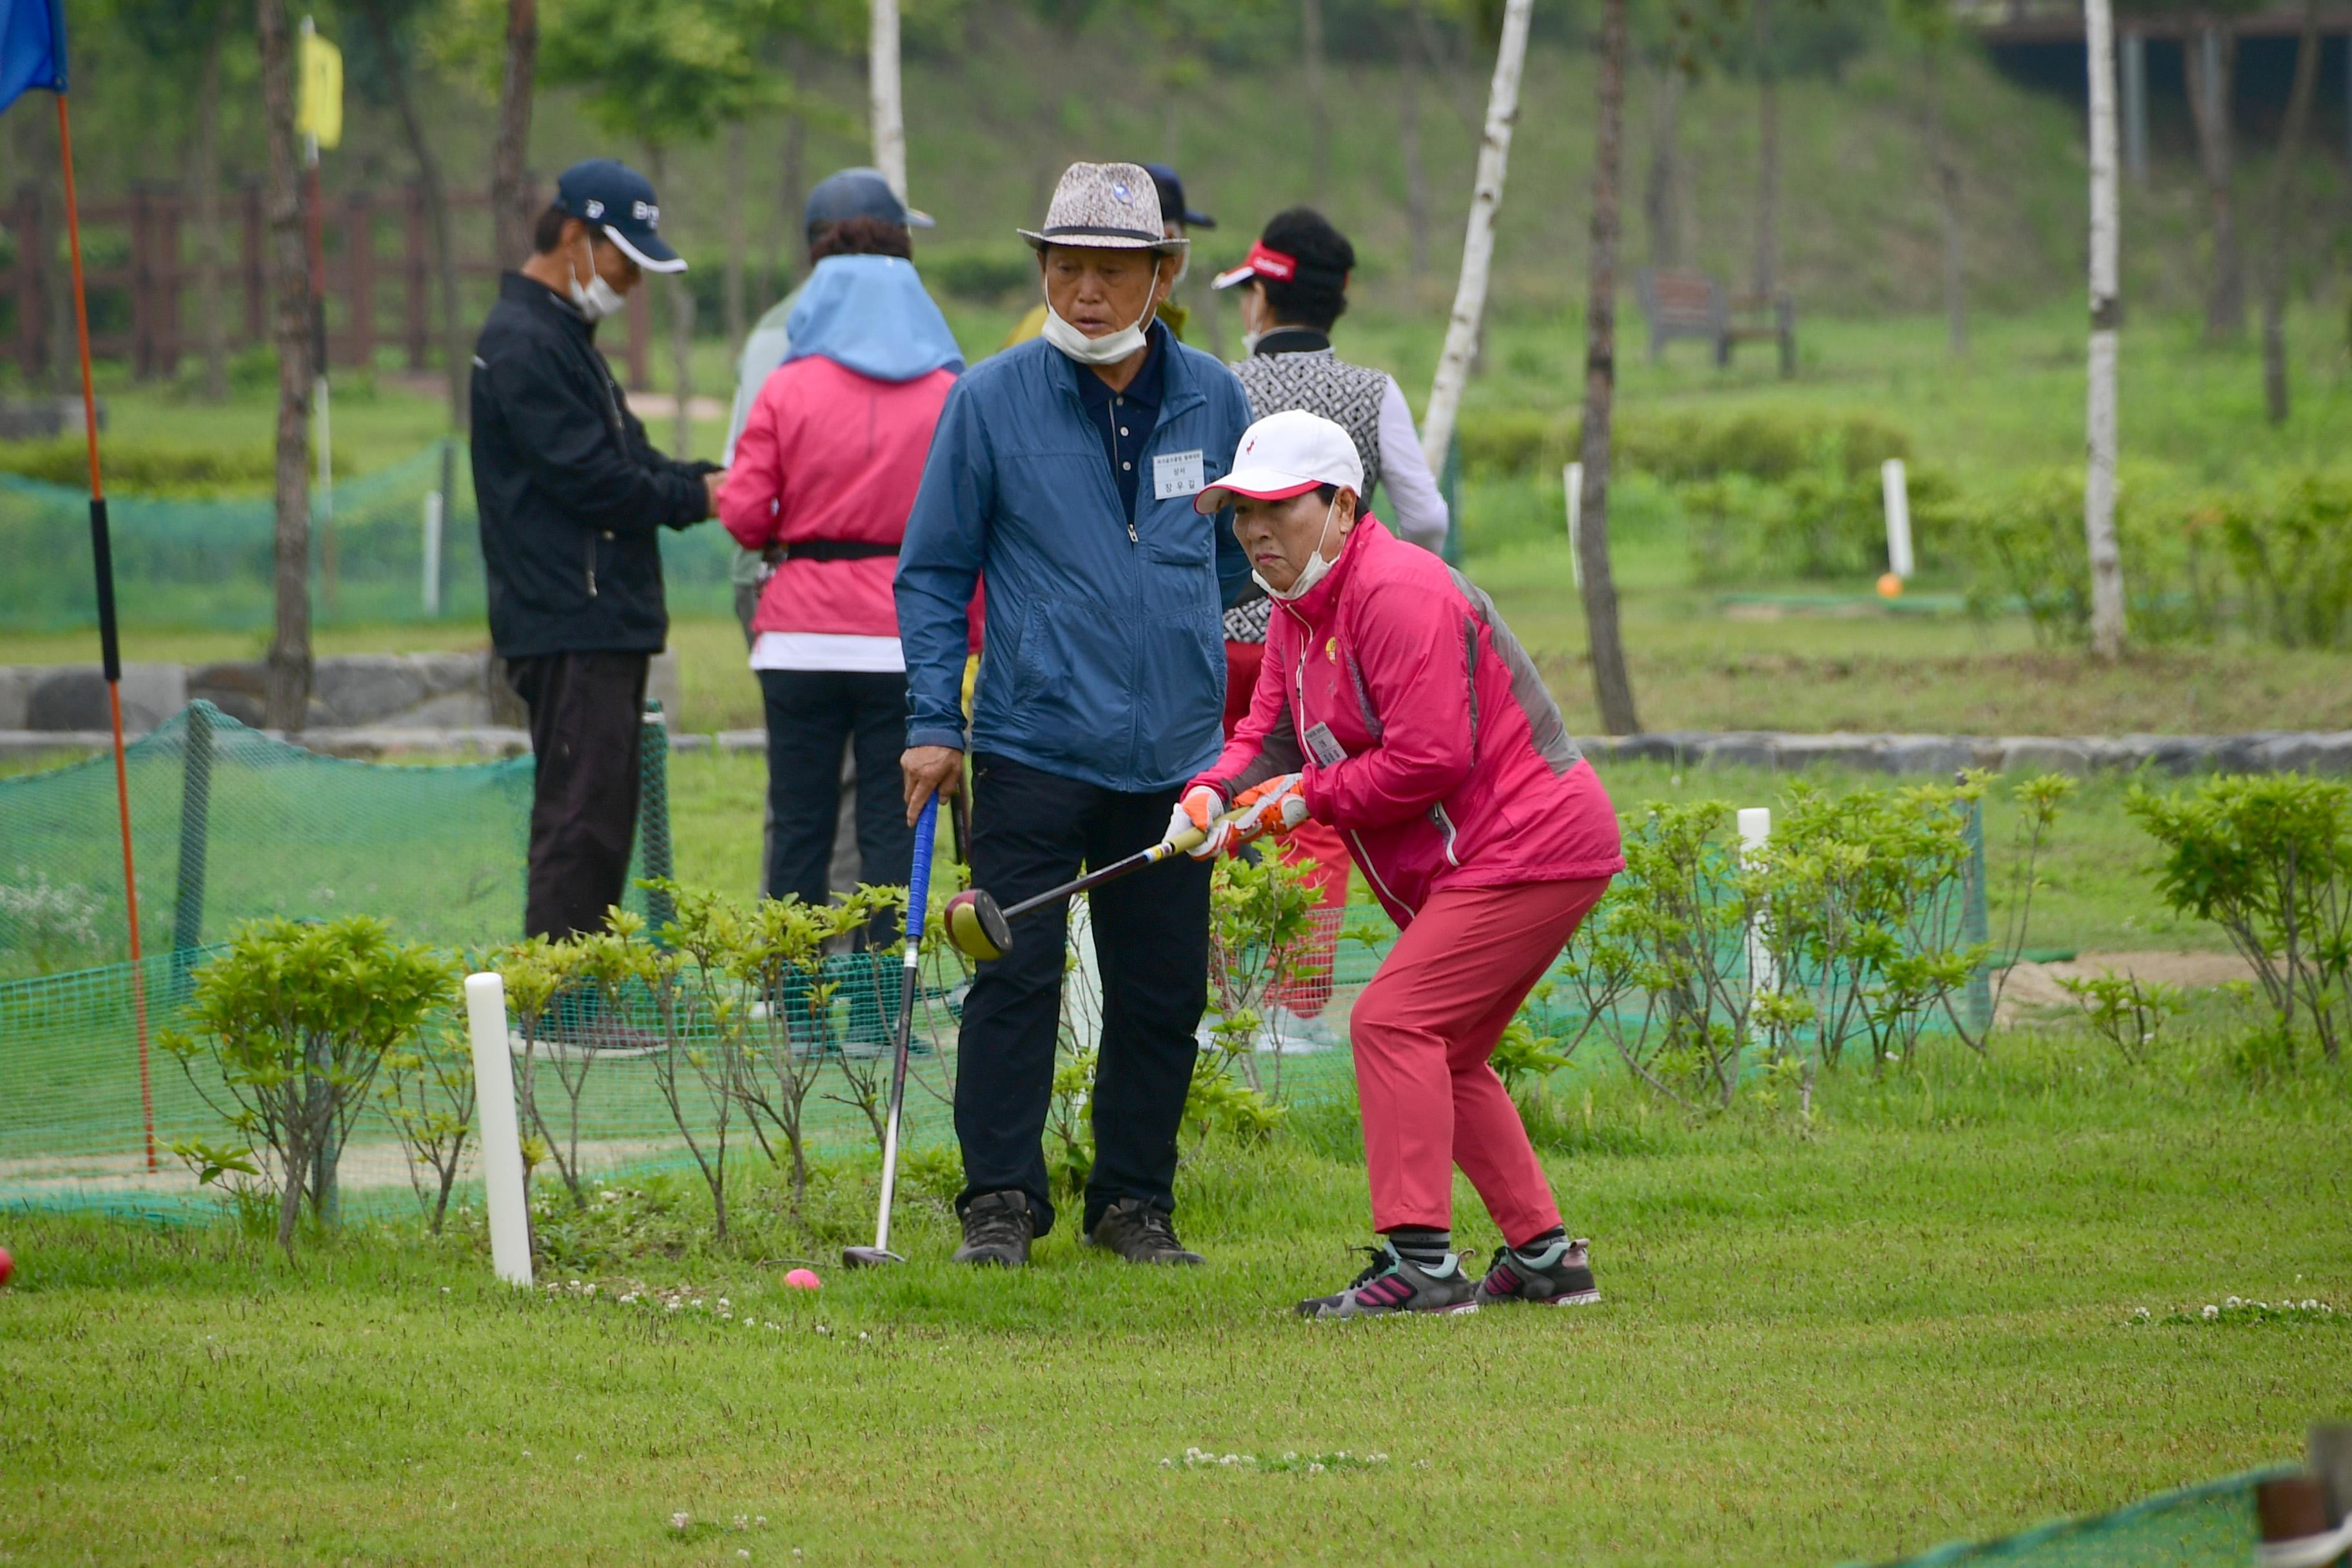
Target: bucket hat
[{"x": 1104, "y": 206}]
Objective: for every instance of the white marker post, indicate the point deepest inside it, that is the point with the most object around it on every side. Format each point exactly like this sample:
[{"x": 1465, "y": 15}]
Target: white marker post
[
  {"x": 432, "y": 554},
  {"x": 1897, "y": 491},
  {"x": 501, "y": 1135},
  {"x": 1572, "y": 479},
  {"x": 1755, "y": 828}
]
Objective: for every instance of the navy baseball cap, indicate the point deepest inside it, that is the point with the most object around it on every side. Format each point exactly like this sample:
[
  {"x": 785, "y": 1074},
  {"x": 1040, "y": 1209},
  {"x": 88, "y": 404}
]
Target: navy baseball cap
[
  {"x": 859, "y": 193},
  {"x": 1173, "y": 205},
  {"x": 620, "y": 201}
]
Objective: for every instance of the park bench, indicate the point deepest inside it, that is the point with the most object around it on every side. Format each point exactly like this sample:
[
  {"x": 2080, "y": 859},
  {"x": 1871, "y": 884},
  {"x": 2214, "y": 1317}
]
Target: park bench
[{"x": 1693, "y": 305}]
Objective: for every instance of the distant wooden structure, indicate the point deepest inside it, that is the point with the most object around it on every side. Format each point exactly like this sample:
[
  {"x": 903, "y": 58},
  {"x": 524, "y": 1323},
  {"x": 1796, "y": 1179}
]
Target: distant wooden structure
[
  {"x": 1695, "y": 305},
  {"x": 144, "y": 274}
]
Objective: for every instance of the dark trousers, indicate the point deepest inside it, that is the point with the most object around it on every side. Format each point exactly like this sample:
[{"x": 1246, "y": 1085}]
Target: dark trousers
[
  {"x": 587, "y": 723},
  {"x": 1031, "y": 830},
  {"x": 809, "y": 713}
]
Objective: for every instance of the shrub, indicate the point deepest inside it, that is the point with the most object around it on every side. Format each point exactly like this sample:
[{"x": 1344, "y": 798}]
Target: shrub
[
  {"x": 427, "y": 1093},
  {"x": 2268, "y": 857},
  {"x": 162, "y": 469},
  {"x": 987, "y": 274},
  {"x": 1761, "y": 444},
  {"x": 2128, "y": 1014},
  {"x": 1824, "y": 521},
  {"x": 2291, "y": 547},
  {"x": 296, "y": 1019}
]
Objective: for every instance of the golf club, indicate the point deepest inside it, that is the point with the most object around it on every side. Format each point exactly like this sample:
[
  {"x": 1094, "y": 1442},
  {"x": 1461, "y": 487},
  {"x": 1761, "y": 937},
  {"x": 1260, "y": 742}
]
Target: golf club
[
  {"x": 977, "y": 928},
  {"x": 919, "y": 894}
]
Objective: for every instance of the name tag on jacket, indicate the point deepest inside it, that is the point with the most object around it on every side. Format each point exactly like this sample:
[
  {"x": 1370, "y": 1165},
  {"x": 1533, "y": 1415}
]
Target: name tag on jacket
[{"x": 1175, "y": 474}]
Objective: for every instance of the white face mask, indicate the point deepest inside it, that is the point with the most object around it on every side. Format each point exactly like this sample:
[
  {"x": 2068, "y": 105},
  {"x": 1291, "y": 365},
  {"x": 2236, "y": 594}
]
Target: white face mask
[
  {"x": 599, "y": 299},
  {"x": 1108, "y": 349},
  {"x": 1314, "y": 569}
]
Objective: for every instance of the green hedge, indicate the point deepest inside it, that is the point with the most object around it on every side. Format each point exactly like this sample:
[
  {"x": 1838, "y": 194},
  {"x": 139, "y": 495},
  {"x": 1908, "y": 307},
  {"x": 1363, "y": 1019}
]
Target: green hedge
[{"x": 1769, "y": 445}]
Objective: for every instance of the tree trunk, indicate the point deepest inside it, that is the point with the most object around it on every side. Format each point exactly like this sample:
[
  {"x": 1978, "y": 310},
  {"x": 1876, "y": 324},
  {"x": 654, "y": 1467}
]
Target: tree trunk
[
  {"x": 781, "y": 253},
  {"x": 1947, "y": 196},
  {"x": 1318, "y": 119},
  {"x": 2106, "y": 319},
  {"x": 680, "y": 295},
  {"x": 883, "y": 92},
  {"x": 511, "y": 216},
  {"x": 37, "y": 150},
  {"x": 1463, "y": 329},
  {"x": 1766, "y": 275},
  {"x": 732, "y": 283},
  {"x": 456, "y": 355},
  {"x": 287, "y": 694},
  {"x": 1661, "y": 188},
  {"x": 212, "y": 306},
  {"x": 1612, "y": 684},
  {"x": 1410, "y": 65},
  {"x": 2276, "y": 255},
  {"x": 2210, "y": 54}
]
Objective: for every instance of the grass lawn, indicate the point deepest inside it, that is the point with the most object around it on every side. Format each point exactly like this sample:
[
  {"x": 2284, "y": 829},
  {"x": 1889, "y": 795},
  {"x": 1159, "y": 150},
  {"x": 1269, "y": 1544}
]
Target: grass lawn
[{"x": 1912, "y": 1324}]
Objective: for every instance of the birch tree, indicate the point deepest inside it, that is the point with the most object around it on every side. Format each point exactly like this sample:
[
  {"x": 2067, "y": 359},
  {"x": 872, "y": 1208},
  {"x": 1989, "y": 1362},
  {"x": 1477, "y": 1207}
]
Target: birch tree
[
  {"x": 883, "y": 91},
  {"x": 1611, "y": 683},
  {"x": 1478, "y": 237},
  {"x": 2106, "y": 317}
]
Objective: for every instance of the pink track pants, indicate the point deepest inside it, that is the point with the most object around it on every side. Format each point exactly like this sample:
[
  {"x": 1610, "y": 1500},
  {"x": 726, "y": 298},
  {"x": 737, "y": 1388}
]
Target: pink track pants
[{"x": 1423, "y": 1032}]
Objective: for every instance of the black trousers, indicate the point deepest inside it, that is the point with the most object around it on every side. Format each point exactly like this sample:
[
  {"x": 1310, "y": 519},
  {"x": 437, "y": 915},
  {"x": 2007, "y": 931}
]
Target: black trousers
[
  {"x": 1031, "y": 830},
  {"x": 587, "y": 724},
  {"x": 809, "y": 713}
]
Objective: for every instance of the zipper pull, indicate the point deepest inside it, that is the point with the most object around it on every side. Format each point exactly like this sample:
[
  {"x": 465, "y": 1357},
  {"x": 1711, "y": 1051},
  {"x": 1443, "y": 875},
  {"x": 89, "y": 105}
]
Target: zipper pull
[{"x": 1133, "y": 537}]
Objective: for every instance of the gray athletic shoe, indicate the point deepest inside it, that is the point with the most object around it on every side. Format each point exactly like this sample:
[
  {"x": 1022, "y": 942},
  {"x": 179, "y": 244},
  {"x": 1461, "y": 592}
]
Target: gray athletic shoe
[
  {"x": 1141, "y": 1233},
  {"x": 1559, "y": 1275},
  {"x": 997, "y": 1229},
  {"x": 1393, "y": 1284}
]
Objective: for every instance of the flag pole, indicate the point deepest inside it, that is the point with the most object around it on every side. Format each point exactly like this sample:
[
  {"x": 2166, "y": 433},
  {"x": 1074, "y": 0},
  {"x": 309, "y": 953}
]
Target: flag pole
[{"x": 102, "y": 550}]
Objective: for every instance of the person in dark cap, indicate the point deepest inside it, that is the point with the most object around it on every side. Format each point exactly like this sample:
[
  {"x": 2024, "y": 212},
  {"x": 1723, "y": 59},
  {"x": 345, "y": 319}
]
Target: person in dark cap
[
  {"x": 573, "y": 498},
  {"x": 1176, "y": 218}
]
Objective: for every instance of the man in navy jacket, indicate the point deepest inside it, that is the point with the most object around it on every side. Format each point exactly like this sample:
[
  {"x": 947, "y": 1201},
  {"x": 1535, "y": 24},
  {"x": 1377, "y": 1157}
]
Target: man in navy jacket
[
  {"x": 573, "y": 500},
  {"x": 1062, "y": 471}
]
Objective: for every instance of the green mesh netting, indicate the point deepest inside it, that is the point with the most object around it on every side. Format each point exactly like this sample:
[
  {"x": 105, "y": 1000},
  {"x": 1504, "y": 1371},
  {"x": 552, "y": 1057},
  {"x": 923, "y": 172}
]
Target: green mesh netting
[
  {"x": 208, "y": 562},
  {"x": 228, "y": 824},
  {"x": 2207, "y": 1526}
]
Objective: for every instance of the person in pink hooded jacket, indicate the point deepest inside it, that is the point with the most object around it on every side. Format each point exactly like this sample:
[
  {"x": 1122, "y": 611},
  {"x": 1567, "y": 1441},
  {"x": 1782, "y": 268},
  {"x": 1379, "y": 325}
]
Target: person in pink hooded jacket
[
  {"x": 1396, "y": 706},
  {"x": 825, "y": 471}
]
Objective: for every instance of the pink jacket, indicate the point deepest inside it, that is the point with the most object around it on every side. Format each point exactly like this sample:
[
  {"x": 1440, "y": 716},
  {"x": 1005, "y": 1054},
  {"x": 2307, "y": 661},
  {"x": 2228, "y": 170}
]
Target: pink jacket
[
  {"x": 828, "y": 454},
  {"x": 1424, "y": 732}
]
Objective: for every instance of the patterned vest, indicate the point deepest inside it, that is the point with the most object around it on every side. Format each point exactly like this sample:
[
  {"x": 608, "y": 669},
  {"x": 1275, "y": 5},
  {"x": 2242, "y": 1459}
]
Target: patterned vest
[{"x": 1320, "y": 382}]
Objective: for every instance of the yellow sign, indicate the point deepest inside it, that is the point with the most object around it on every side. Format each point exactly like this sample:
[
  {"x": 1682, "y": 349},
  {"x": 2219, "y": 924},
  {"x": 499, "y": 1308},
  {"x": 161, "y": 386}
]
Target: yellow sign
[{"x": 319, "y": 106}]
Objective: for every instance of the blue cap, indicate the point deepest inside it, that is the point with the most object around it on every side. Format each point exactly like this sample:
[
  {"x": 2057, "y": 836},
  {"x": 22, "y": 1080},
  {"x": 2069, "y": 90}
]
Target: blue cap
[
  {"x": 620, "y": 201},
  {"x": 1173, "y": 205},
  {"x": 858, "y": 193}
]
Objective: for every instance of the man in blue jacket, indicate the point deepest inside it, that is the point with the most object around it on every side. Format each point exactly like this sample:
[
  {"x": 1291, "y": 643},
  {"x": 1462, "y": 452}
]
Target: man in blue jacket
[{"x": 1063, "y": 471}]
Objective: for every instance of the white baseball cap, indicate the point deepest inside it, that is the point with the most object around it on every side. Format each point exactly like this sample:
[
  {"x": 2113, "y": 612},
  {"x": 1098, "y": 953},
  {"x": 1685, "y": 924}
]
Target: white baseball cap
[{"x": 1285, "y": 454}]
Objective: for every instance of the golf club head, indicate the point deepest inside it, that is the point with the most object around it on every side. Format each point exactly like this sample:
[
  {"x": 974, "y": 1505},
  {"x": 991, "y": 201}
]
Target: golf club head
[
  {"x": 976, "y": 927},
  {"x": 868, "y": 1257}
]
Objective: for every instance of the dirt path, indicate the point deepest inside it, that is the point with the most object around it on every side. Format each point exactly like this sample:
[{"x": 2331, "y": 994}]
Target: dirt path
[{"x": 2035, "y": 986}]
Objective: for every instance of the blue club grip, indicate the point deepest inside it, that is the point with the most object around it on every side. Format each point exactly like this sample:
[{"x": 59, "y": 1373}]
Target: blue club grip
[{"x": 918, "y": 882}]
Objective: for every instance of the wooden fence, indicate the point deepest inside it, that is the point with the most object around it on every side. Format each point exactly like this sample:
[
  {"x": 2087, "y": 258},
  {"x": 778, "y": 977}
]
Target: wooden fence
[{"x": 144, "y": 282}]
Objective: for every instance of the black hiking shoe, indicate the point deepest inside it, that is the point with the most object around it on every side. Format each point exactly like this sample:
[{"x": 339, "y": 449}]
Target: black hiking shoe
[
  {"x": 1394, "y": 1284},
  {"x": 1140, "y": 1234},
  {"x": 1559, "y": 1275},
  {"x": 997, "y": 1229}
]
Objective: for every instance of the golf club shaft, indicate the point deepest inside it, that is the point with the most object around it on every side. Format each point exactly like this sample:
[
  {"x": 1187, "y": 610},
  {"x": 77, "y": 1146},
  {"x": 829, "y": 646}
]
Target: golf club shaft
[
  {"x": 1111, "y": 873},
  {"x": 918, "y": 899}
]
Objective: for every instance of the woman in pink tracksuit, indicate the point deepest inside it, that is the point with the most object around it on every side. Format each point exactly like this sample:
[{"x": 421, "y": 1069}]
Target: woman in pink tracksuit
[{"x": 1396, "y": 706}]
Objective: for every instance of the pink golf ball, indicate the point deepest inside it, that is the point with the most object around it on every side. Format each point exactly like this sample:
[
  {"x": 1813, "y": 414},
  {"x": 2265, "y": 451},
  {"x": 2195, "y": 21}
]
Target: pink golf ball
[{"x": 803, "y": 1279}]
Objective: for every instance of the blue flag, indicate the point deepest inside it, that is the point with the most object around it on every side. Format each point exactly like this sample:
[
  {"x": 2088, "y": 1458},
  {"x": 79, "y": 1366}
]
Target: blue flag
[{"x": 32, "y": 47}]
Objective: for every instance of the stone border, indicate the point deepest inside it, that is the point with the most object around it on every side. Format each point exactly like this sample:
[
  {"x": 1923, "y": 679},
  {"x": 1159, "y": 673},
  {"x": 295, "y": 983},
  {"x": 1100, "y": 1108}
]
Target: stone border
[{"x": 2260, "y": 752}]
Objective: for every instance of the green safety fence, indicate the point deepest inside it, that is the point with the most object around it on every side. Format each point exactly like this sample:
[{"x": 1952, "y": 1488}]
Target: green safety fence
[
  {"x": 2207, "y": 1526},
  {"x": 209, "y": 561}
]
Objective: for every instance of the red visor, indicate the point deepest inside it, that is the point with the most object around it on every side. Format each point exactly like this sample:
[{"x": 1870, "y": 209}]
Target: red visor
[{"x": 1261, "y": 263}]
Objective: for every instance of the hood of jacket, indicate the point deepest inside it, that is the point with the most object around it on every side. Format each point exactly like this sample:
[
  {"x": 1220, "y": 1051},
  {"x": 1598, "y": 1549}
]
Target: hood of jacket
[{"x": 870, "y": 314}]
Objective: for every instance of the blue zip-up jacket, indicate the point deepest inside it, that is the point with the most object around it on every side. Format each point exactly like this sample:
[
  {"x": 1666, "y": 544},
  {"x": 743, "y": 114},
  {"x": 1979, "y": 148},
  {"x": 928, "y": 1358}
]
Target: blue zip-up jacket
[{"x": 1104, "y": 660}]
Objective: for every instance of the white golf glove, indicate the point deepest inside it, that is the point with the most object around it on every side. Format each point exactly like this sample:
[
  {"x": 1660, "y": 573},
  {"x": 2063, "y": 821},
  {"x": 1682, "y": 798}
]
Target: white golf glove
[{"x": 1199, "y": 810}]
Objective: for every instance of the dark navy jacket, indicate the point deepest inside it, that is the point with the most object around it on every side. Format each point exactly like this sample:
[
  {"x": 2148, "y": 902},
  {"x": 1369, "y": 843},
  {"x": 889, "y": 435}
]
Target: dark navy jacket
[
  {"x": 572, "y": 496},
  {"x": 1104, "y": 659}
]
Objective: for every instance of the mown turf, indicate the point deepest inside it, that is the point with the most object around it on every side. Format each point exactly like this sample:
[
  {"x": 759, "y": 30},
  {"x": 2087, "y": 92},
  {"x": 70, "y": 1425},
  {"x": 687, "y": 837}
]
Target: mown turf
[{"x": 1914, "y": 1324}]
